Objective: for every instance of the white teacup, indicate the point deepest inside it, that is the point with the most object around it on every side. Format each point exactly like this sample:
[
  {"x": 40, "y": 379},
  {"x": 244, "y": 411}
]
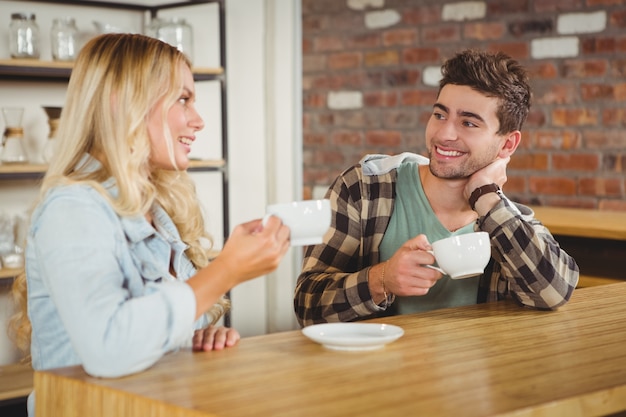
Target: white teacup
[
  {"x": 307, "y": 220},
  {"x": 462, "y": 256}
]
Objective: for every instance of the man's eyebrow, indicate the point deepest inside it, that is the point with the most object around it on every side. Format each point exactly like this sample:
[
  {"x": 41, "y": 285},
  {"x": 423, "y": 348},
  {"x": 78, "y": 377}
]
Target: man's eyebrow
[
  {"x": 460, "y": 113},
  {"x": 471, "y": 115},
  {"x": 441, "y": 107}
]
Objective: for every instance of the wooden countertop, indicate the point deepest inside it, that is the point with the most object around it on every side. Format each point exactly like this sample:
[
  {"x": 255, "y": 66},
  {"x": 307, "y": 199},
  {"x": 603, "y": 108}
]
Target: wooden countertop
[
  {"x": 495, "y": 359},
  {"x": 583, "y": 222}
]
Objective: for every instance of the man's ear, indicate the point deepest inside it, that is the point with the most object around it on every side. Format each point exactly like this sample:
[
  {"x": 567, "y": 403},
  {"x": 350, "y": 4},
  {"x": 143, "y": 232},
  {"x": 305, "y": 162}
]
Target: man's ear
[{"x": 510, "y": 144}]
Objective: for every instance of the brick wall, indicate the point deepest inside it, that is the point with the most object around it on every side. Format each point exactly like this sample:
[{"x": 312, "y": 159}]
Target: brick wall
[{"x": 370, "y": 73}]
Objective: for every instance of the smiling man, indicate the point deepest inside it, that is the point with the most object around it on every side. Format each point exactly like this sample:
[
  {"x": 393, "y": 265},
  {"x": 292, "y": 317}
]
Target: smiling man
[{"x": 388, "y": 209}]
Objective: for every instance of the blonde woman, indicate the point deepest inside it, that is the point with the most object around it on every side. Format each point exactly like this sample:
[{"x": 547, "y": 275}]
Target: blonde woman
[{"x": 116, "y": 271}]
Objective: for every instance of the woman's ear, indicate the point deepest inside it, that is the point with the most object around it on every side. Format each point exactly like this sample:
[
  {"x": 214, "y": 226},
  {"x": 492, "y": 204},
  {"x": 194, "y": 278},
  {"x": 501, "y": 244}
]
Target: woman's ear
[{"x": 510, "y": 144}]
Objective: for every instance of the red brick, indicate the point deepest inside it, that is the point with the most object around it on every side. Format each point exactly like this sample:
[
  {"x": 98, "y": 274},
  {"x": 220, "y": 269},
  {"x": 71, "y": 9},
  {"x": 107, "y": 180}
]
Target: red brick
[
  {"x": 614, "y": 117},
  {"x": 398, "y": 119},
  {"x": 559, "y": 139},
  {"x": 574, "y": 117},
  {"x": 619, "y": 92},
  {"x": 531, "y": 27},
  {"x": 605, "y": 139},
  {"x": 358, "y": 119},
  {"x": 483, "y": 31},
  {"x": 596, "y": 3},
  {"x": 422, "y": 15},
  {"x": 585, "y": 68},
  {"x": 307, "y": 46},
  {"x": 618, "y": 68},
  {"x": 441, "y": 33},
  {"x": 495, "y": 8},
  {"x": 327, "y": 43},
  {"x": 347, "y": 21},
  {"x": 598, "y": 45},
  {"x": 535, "y": 118},
  {"x": 420, "y": 55},
  {"x": 556, "y": 94},
  {"x": 325, "y": 157},
  {"x": 314, "y": 23},
  {"x": 557, "y": 5},
  {"x": 618, "y": 19},
  {"x": 401, "y": 77},
  {"x": 542, "y": 69},
  {"x": 325, "y": 119},
  {"x": 551, "y": 185},
  {"x": 605, "y": 187},
  {"x": 576, "y": 162},
  {"x": 314, "y": 139},
  {"x": 515, "y": 184},
  {"x": 614, "y": 163},
  {"x": 380, "y": 99},
  {"x": 590, "y": 92},
  {"x": 350, "y": 138},
  {"x": 383, "y": 138},
  {"x": 344, "y": 60},
  {"x": 418, "y": 98},
  {"x": 381, "y": 58},
  {"x": 363, "y": 41},
  {"x": 399, "y": 37},
  {"x": 313, "y": 63},
  {"x": 527, "y": 161},
  {"x": 612, "y": 205},
  {"x": 517, "y": 50},
  {"x": 314, "y": 100},
  {"x": 322, "y": 6}
]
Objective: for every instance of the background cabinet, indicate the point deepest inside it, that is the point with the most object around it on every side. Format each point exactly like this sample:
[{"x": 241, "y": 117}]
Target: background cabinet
[{"x": 35, "y": 83}]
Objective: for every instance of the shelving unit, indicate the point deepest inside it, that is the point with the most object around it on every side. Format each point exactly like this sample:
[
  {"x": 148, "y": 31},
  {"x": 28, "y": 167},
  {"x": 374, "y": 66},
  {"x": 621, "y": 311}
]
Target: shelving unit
[{"x": 49, "y": 71}]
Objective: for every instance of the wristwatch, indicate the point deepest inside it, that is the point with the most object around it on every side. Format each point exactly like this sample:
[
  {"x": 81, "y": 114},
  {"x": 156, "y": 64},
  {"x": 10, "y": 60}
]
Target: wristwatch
[{"x": 482, "y": 190}]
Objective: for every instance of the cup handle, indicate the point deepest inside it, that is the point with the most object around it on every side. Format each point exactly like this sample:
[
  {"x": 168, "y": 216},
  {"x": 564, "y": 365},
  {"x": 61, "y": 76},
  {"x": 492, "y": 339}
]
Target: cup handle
[{"x": 436, "y": 268}]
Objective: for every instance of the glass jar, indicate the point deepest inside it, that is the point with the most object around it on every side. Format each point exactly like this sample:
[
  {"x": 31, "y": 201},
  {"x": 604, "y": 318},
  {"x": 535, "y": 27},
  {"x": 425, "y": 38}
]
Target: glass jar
[
  {"x": 24, "y": 36},
  {"x": 12, "y": 141},
  {"x": 177, "y": 32},
  {"x": 63, "y": 38}
]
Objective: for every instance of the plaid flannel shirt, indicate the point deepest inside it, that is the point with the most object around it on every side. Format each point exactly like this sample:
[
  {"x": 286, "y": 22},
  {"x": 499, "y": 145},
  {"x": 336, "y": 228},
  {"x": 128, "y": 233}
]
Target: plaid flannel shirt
[{"x": 526, "y": 263}]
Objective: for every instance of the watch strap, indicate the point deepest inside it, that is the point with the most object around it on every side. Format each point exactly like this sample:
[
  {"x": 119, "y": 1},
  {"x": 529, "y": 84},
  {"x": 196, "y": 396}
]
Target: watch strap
[{"x": 480, "y": 191}]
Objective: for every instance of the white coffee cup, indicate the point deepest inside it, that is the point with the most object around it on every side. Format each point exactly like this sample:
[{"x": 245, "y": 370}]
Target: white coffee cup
[
  {"x": 462, "y": 256},
  {"x": 307, "y": 220}
]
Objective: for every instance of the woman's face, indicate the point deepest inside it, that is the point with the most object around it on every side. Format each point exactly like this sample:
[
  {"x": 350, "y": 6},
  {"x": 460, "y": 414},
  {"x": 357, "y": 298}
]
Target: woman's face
[{"x": 183, "y": 120}]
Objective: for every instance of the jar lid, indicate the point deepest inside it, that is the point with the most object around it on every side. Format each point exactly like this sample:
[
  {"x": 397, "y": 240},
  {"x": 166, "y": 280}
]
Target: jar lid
[{"x": 23, "y": 16}]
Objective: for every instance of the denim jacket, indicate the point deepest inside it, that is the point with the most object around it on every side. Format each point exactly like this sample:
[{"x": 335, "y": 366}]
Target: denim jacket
[{"x": 100, "y": 293}]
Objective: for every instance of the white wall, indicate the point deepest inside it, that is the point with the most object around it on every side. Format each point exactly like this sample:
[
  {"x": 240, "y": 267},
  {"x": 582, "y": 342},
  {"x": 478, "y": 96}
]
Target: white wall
[{"x": 264, "y": 117}]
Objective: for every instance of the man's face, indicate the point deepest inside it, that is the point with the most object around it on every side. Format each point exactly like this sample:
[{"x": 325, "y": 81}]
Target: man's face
[{"x": 461, "y": 133}]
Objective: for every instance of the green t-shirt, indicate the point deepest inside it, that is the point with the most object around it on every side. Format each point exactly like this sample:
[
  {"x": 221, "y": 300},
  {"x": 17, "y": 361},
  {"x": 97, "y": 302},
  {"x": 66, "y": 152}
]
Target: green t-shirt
[{"x": 412, "y": 215}]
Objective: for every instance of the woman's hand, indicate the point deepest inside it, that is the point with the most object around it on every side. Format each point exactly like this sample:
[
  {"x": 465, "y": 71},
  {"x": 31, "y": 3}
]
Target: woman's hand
[
  {"x": 215, "y": 338},
  {"x": 253, "y": 250}
]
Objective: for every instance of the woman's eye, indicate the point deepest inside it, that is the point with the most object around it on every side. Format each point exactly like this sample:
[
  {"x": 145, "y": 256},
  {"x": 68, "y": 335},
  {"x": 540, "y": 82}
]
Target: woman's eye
[{"x": 183, "y": 100}]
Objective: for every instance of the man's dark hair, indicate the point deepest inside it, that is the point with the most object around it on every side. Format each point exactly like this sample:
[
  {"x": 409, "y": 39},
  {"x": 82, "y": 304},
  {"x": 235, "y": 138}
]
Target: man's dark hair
[{"x": 495, "y": 75}]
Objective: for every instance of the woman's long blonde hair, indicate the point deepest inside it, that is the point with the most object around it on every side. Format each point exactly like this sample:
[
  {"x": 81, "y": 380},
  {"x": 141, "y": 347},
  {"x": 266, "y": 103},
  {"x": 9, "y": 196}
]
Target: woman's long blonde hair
[{"x": 116, "y": 81}]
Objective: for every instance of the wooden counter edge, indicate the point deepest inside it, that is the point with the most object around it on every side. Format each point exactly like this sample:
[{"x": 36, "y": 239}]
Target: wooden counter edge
[
  {"x": 580, "y": 222},
  {"x": 16, "y": 381},
  {"x": 58, "y": 395}
]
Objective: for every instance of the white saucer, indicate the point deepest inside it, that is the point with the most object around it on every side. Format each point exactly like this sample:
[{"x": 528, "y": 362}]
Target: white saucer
[{"x": 353, "y": 336}]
